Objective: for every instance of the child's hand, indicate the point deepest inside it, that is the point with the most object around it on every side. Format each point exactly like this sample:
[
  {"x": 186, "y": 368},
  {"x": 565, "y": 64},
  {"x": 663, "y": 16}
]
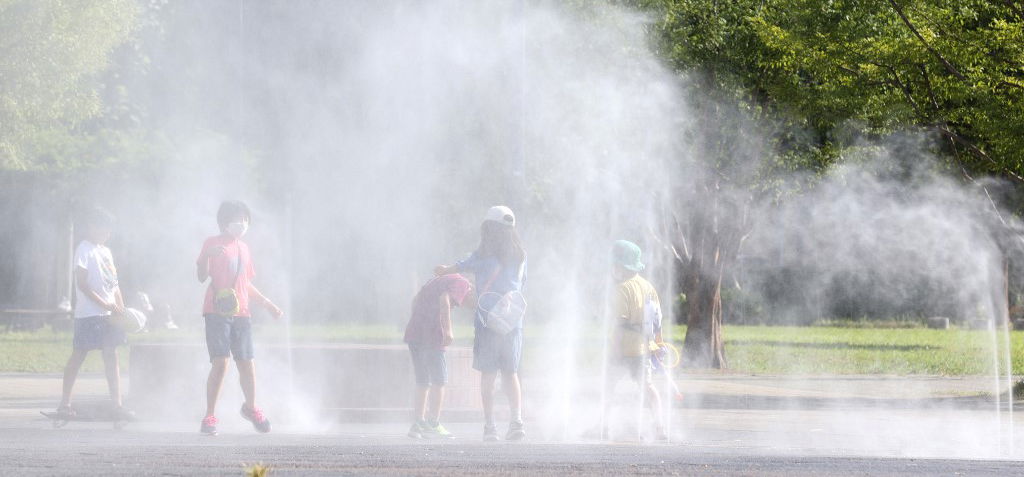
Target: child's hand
[
  {"x": 115, "y": 308},
  {"x": 662, "y": 352},
  {"x": 276, "y": 312}
]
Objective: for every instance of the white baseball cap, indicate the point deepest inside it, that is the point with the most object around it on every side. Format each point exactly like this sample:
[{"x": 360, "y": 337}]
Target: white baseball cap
[{"x": 501, "y": 215}]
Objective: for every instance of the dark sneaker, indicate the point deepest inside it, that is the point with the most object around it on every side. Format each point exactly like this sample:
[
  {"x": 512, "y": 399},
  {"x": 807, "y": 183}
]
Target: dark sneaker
[
  {"x": 436, "y": 431},
  {"x": 123, "y": 414},
  {"x": 416, "y": 431},
  {"x": 256, "y": 417},
  {"x": 209, "y": 426},
  {"x": 490, "y": 433},
  {"x": 66, "y": 412},
  {"x": 660, "y": 435},
  {"x": 515, "y": 431}
]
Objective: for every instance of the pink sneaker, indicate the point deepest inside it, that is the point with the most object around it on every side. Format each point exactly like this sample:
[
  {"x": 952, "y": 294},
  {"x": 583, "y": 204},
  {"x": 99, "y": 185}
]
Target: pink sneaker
[
  {"x": 209, "y": 426},
  {"x": 256, "y": 417}
]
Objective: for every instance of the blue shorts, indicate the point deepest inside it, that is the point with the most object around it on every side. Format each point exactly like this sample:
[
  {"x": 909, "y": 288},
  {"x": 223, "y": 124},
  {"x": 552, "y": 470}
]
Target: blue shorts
[
  {"x": 429, "y": 365},
  {"x": 229, "y": 337},
  {"x": 96, "y": 332},
  {"x": 493, "y": 352}
]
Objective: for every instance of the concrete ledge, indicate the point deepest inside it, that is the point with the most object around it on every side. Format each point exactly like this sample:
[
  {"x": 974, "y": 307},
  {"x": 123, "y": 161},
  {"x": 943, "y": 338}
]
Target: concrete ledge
[{"x": 168, "y": 381}]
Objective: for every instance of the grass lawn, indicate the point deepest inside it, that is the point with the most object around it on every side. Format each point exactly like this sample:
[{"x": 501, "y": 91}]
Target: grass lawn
[
  {"x": 46, "y": 350},
  {"x": 749, "y": 349},
  {"x": 832, "y": 350}
]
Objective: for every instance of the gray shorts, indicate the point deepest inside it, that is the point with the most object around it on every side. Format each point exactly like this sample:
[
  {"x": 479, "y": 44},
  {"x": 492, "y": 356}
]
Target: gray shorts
[
  {"x": 493, "y": 352},
  {"x": 96, "y": 332},
  {"x": 429, "y": 365},
  {"x": 229, "y": 337}
]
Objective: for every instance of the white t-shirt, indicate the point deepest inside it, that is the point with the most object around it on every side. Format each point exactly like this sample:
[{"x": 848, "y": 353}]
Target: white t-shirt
[{"x": 102, "y": 278}]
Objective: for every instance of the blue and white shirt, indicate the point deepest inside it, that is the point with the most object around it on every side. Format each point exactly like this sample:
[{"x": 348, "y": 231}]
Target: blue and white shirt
[{"x": 490, "y": 276}]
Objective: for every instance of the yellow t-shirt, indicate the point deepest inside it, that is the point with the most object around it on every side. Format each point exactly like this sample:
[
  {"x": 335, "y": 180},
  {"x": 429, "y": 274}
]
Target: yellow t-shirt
[{"x": 629, "y": 307}]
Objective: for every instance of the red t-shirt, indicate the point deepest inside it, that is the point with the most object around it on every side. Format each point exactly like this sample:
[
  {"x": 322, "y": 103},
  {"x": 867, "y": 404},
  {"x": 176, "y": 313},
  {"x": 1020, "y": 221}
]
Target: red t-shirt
[
  {"x": 223, "y": 268},
  {"x": 424, "y": 326}
]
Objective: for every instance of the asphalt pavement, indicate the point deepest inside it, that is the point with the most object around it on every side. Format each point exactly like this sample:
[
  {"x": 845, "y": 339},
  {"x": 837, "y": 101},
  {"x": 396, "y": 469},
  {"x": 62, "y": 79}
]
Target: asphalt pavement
[{"x": 842, "y": 438}]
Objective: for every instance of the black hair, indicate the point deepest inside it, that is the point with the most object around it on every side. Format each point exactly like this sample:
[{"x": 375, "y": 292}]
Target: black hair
[
  {"x": 96, "y": 217},
  {"x": 230, "y": 209},
  {"x": 502, "y": 242}
]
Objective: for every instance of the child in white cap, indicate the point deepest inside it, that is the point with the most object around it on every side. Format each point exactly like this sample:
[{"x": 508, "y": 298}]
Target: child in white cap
[{"x": 499, "y": 269}]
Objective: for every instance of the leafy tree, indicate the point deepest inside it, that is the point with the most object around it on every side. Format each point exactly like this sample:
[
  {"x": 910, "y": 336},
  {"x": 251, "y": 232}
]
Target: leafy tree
[
  {"x": 831, "y": 76},
  {"x": 954, "y": 68},
  {"x": 848, "y": 70},
  {"x": 51, "y": 55}
]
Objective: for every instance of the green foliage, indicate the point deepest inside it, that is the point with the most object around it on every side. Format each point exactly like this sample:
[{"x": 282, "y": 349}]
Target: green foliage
[
  {"x": 52, "y": 53},
  {"x": 846, "y": 71}
]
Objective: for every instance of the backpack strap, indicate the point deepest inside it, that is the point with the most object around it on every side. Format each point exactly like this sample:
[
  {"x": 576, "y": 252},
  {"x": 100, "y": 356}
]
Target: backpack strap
[
  {"x": 490, "y": 281},
  {"x": 238, "y": 266}
]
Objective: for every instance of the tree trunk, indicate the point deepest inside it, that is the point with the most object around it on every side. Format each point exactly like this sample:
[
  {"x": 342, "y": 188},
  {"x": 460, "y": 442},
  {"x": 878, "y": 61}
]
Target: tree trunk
[
  {"x": 703, "y": 346},
  {"x": 715, "y": 234}
]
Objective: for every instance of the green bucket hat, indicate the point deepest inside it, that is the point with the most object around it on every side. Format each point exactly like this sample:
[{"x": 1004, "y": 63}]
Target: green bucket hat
[{"x": 627, "y": 254}]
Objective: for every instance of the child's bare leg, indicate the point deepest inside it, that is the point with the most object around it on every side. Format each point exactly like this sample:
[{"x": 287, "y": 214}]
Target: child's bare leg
[
  {"x": 247, "y": 378},
  {"x": 218, "y": 366},
  {"x": 510, "y": 382},
  {"x": 71, "y": 374},
  {"x": 654, "y": 400},
  {"x": 113, "y": 371},
  {"x": 606, "y": 406},
  {"x": 606, "y": 400},
  {"x": 487, "y": 395},
  {"x": 420, "y": 398},
  {"x": 436, "y": 396},
  {"x": 611, "y": 380}
]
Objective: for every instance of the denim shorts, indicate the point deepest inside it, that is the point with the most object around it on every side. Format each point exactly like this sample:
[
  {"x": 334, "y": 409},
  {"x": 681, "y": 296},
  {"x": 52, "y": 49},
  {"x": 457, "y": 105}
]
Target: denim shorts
[
  {"x": 429, "y": 365},
  {"x": 229, "y": 337},
  {"x": 493, "y": 352},
  {"x": 96, "y": 332}
]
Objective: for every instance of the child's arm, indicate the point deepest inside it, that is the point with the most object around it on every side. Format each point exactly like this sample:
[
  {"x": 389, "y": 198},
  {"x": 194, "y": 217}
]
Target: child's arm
[
  {"x": 446, "y": 320},
  {"x": 262, "y": 300},
  {"x": 119, "y": 300},
  {"x": 82, "y": 280},
  {"x": 203, "y": 264},
  {"x": 620, "y": 307},
  {"x": 467, "y": 265}
]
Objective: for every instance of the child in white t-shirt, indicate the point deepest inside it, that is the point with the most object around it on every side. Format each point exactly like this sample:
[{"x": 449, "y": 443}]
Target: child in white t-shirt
[{"x": 97, "y": 297}]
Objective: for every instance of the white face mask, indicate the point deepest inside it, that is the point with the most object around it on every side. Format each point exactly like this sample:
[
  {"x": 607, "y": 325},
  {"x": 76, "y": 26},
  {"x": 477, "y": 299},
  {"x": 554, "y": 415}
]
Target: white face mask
[{"x": 237, "y": 229}]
